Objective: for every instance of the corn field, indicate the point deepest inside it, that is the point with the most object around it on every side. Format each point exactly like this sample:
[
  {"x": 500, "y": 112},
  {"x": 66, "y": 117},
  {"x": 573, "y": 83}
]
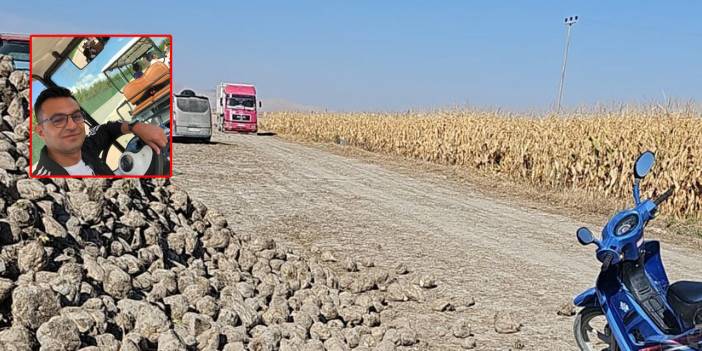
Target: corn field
[{"x": 592, "y": 151}]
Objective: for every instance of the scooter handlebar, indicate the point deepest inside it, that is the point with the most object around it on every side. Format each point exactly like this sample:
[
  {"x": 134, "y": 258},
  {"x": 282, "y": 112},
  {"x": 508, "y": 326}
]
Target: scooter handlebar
[
  {"x": 607, "y": 260},
  {"x": 663, "y": 196}
]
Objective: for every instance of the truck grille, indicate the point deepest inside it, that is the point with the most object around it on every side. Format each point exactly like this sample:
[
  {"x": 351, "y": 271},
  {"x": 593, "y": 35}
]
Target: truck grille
[{"x": 241, "y": 118}]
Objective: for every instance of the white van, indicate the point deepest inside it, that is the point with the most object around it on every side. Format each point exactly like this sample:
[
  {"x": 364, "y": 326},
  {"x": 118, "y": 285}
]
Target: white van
[{"x": 191, "y": 116}]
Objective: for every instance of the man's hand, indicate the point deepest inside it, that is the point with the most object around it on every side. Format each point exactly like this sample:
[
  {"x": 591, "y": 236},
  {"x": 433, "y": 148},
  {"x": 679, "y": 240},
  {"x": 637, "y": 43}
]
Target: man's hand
[{"x": 151, "y": 135}]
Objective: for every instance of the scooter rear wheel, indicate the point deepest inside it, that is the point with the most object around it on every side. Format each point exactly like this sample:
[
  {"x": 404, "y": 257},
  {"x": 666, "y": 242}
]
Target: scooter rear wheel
[{"x": 592, "y": 332}]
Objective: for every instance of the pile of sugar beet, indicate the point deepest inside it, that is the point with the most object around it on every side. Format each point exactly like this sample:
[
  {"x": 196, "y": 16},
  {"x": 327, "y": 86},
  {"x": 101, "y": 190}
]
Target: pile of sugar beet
[{"x": 135, "y": 264}]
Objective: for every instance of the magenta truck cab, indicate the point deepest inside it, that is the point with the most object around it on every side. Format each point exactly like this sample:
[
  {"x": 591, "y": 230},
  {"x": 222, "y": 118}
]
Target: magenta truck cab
[{"x": 237, "y": 108}]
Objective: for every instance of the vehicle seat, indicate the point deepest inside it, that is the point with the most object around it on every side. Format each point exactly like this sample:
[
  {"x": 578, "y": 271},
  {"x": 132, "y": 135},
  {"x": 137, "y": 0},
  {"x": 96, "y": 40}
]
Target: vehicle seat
[
  {"x": 158, "y": 94},
  {"x": 685, "y": 298},
  {"x": 140, "y": 92}
]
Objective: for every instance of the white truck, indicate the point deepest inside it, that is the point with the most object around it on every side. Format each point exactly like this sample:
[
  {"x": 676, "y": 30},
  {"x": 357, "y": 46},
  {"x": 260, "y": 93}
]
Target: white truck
[{"x": 192, "y": 118}]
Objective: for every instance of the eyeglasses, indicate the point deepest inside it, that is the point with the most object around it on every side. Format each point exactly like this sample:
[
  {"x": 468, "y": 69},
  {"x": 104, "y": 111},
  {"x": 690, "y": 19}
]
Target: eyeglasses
[{"x": 59, "y": 120}]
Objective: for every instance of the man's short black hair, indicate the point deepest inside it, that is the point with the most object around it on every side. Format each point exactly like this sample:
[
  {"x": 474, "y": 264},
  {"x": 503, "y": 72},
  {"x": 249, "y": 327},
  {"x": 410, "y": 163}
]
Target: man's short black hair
[{"x": 50, "y": 93}]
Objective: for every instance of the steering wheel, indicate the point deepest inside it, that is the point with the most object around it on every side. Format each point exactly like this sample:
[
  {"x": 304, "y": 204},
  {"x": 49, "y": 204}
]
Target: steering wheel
[{"x": 139, "y": 159}]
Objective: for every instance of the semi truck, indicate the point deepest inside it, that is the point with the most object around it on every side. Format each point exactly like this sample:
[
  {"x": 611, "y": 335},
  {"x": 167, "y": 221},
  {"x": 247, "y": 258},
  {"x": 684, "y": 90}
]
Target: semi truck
[{"x": 237, "y": 108}]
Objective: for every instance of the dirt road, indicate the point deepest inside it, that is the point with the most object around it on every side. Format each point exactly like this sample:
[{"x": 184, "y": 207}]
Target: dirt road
[{"x": 507, "y": 256}]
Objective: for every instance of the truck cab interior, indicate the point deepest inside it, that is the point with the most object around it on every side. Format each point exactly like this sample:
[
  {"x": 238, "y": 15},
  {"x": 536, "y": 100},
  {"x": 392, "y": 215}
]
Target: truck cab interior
[{"x": 62, "y": 61}]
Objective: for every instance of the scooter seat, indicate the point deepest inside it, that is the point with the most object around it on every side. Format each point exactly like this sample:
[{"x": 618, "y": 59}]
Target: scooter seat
[{"x": 685, "y": 298}]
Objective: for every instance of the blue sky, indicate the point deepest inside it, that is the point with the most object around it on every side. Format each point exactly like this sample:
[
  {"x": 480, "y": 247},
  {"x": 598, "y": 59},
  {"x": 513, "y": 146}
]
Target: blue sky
[{"x": 394, "y": 55}]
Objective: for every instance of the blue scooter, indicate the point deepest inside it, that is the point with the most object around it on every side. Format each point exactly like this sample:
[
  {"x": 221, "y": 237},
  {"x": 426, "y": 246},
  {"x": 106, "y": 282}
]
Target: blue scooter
[{"x": 632, "y": 306}]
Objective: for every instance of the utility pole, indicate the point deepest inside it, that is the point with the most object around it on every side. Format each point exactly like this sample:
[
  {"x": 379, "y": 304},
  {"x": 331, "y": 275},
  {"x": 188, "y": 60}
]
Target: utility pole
[{"x": 569, "y": 22}]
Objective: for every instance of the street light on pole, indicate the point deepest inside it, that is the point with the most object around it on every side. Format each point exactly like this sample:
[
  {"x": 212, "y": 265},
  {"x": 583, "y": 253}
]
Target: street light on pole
[{"x": 569, "y": 22}]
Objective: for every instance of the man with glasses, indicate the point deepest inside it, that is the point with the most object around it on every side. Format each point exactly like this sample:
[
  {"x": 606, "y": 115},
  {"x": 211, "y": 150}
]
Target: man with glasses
[{"x": 68, "y": 151}]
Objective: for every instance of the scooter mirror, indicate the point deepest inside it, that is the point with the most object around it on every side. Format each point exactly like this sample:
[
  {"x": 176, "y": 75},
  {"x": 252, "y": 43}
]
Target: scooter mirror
[
  {"x": 585, "y": 236},
  {"x": 644, "y": 164}
]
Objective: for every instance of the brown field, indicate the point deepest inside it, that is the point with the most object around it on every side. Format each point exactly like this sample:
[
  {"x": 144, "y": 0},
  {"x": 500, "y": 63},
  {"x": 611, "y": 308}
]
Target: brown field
[{"x": 591, "y": 151}]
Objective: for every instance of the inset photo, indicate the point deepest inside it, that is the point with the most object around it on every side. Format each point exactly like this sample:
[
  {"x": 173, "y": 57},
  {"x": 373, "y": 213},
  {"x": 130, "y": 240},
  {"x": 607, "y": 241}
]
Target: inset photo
[{"x": 101, "y": 106}]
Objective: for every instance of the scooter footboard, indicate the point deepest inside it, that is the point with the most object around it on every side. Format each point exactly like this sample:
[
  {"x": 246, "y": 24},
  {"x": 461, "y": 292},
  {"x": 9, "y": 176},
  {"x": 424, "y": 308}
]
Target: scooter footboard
[
  {"x": 628, "y": 326},
  {"x": 629, "y": 322},
  {"x": 656, "y": 307}
]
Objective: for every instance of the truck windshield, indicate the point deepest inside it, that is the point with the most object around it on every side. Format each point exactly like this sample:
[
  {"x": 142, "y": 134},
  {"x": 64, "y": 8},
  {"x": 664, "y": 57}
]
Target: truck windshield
[
  {"x": 90, "y": 87},
  {"x": 196, "y": 105},
  {"x": 18, "y": 50},
  {"x": 246, "y": 101}
]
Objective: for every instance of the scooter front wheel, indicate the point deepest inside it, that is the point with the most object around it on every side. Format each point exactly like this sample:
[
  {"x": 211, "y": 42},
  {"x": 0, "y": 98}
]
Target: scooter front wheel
[{"x": 592, "y": 333}]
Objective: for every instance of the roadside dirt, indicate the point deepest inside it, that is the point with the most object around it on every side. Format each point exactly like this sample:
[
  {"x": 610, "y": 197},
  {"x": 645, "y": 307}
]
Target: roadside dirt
[
  {"x": 507, "y": 255},
  {"x": 574, "y": 203}
]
